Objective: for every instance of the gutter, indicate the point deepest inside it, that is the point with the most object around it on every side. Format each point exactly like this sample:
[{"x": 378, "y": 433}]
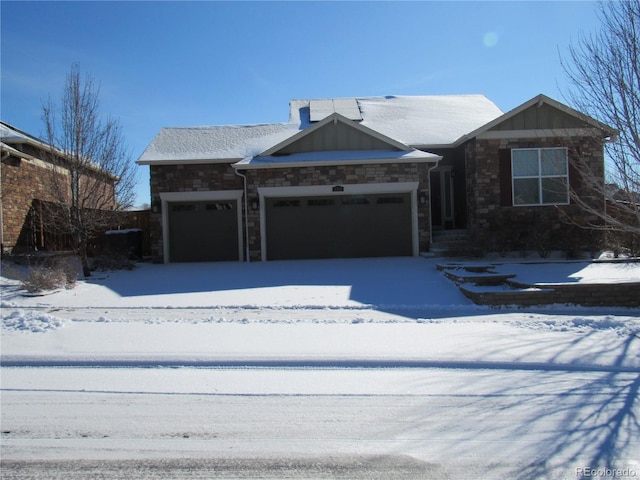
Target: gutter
[
  {"x": 188, "y": 161},
  {"x": 272, "y": 162}
]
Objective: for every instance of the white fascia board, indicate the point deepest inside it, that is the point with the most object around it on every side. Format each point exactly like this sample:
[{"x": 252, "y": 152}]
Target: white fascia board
[
  {"x": 247, "y": 164},
  {"x": 188, "y": 161}
]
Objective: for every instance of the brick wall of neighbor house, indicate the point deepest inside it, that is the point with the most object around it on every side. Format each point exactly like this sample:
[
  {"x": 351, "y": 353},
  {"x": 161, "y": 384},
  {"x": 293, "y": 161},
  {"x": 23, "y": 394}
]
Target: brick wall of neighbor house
[
  {"x": 23, "y": 181},
  {"x": 495, "y": 226},
  {"x": 185, "y": 178},
  {"x": 338, "y": 175}
]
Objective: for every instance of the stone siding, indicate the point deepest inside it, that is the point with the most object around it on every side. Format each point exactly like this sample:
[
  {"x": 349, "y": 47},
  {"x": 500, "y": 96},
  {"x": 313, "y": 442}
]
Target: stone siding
[
  {"x": 211, "y": 177},
  {"x": 589, "y": 295},
  {"x": 338, "y": 175},
  {"x": 185, "y": 178},
  {"x": 495, "y": 226}
]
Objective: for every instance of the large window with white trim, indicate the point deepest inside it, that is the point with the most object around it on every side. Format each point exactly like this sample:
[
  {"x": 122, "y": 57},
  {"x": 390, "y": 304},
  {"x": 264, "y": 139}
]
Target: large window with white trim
[{"x": 540, "y": 176}]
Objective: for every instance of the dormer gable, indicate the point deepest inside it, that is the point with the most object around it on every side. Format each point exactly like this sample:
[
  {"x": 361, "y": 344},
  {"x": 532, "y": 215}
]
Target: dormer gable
[{"x": 541, "y": 116}]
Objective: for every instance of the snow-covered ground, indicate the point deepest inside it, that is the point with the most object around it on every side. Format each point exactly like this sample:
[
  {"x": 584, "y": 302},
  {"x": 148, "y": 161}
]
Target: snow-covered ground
[{"x": 331, "y": 359}]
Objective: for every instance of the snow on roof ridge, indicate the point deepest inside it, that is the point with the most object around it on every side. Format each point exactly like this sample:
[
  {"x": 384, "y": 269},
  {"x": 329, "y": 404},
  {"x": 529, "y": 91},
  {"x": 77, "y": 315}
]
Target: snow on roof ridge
[
  {"x": 239, "y": 125},
  {"x": 214, "y": 142},
  {"x": 389, "y": 97}
]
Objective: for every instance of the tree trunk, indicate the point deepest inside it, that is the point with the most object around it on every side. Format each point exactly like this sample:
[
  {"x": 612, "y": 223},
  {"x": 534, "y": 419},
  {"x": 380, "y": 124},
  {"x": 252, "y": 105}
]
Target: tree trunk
[{"x": 84, "y": 259}]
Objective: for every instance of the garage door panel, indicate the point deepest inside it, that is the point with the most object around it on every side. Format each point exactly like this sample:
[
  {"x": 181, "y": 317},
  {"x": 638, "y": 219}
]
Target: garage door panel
[
  {"x": 203, "y": 231},
  {"x": 339, "y": 226}
]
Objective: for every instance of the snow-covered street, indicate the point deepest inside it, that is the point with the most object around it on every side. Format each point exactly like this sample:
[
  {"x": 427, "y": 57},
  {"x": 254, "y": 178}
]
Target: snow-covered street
[
  {"x": 467, "y": 422},
  {"x": 329, "y": 369}
]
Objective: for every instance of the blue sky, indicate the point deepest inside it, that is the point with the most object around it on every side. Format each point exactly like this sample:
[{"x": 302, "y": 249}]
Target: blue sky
[{"x": 214, "y": 63}]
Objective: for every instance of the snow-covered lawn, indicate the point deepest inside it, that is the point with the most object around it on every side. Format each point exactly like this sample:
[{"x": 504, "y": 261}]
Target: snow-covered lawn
[{"x": 328, "y": 358}]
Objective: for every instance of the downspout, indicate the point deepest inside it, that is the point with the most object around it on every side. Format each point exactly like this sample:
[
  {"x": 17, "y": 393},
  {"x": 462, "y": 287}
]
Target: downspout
[{"x": 246, "y": 215}]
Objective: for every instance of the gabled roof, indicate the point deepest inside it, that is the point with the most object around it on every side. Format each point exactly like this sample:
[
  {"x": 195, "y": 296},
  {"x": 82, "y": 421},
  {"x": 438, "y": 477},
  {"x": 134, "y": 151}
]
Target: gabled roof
[
  {"x": 386, "y": 149},
  {"x": 336, "y": 118},
  {"x": 338, "y": 157},
  {"x": 413, "y": 121},
  {"x": 11, "y": 135},
  {"x": 418, "y": 121},
  {"x": 214, "y": 144},
  {"x": 538, "y": 100}
]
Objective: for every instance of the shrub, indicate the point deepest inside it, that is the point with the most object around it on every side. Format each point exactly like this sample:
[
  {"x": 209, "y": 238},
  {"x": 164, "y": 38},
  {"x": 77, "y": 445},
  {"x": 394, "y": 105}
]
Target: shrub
[
  {"x": 109, "y": 259},
  {"x": 38, "y": 273},
  {"x": 41, "y": 278}
]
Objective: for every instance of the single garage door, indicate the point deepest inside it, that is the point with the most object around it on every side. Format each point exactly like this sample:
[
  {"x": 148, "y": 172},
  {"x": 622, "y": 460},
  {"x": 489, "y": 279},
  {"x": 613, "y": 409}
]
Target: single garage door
[
  {"x": 339, "y": 226},
  {"x": 203, "y": 231}
]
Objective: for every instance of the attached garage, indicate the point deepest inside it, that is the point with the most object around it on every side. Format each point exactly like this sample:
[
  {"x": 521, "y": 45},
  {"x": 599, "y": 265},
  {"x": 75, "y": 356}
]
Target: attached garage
[
  {"x": 202, "y": 228},
  {"x": 339, "y": 225},
  {"x": 333, "y": 189}
]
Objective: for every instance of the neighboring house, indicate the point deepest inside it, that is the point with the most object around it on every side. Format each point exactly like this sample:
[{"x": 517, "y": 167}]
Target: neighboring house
[
  {"x": 26, "y": 191},
  {"x": 373, "y": 176}
]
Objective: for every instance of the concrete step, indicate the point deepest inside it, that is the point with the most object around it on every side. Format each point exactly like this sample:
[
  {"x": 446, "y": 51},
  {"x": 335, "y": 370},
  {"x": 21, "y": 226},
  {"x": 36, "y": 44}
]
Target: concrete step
[{"x": 451, "y": 243}]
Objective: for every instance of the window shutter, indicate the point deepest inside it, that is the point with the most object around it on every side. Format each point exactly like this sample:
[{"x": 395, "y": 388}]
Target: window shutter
[
  {"x": 504, "y": 157},
  {"x": 574, "y": 178}
]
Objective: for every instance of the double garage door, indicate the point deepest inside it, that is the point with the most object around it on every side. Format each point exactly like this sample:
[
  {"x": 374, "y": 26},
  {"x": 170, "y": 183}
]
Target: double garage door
[{"x": 339, "y": 226}]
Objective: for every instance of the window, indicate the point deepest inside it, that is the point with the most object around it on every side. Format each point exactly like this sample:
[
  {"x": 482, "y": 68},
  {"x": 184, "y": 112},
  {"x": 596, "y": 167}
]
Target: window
[
  {"x": 355, "y": 201},
  {"x": 540, "y": 176},
  {"x": 320, "y": 202},
  {"x": 388, "y": 200}
]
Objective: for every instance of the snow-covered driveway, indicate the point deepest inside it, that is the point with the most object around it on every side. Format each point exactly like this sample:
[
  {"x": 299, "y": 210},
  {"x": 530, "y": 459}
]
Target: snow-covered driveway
[
  {"x": 303, "y": 284},
  {"x": 323, "y": 369}
]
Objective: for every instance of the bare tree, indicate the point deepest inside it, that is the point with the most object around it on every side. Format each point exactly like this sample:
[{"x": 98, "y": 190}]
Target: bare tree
[
  {"x": 92, "y": 175},
  {"x": 604, "y": 71}
]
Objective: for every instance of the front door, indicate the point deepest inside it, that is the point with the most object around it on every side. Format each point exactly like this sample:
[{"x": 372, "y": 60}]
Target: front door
[{"x": 442, "y": 211}]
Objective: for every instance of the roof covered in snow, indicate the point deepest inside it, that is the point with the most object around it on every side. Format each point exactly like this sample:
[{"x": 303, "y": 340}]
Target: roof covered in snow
[
  {"x": 338, "y": 156},
  {"x": 11, "y": 135},
  {"x": 417, "y": 121},
  {"x": 221, "y": 143}
]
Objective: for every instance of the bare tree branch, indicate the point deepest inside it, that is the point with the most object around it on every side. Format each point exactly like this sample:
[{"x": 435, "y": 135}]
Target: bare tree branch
[
  {"x": 604, "y": 70},
  {"x": 92, "y": 174}
]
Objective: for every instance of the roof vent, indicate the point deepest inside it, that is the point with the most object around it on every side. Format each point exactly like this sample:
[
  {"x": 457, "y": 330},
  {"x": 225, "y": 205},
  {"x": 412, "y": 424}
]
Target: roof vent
[{"x": 347, "y": 107}]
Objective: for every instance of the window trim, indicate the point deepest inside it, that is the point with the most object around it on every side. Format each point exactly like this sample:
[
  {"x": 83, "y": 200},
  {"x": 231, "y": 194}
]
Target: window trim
[{"x": 539, "y": 177}]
